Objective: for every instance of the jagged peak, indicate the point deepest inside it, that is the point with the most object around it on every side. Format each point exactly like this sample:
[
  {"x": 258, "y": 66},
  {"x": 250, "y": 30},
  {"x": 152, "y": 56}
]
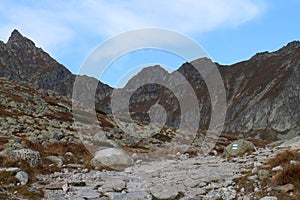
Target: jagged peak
[
  {"x": 17, "y": 37},
  {"x": 287, "y": 49},
  {"x": 290, "y": 46}
]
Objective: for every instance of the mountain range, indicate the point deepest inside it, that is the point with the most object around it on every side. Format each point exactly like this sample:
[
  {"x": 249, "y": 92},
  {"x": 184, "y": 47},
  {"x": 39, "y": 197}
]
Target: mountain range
[{"x": 262, "y": 93}]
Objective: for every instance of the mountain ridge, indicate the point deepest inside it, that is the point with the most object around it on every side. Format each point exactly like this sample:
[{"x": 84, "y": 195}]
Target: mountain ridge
[{"x": 259, "y": 90}]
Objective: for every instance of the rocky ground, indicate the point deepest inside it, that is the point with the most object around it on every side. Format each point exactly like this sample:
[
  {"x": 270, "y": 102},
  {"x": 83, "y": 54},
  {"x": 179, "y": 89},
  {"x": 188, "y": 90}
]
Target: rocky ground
[{"x": 175, "y": 177}]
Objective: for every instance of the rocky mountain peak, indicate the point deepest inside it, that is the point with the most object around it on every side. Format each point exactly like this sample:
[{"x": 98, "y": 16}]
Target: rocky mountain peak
[
  {"x": 16, "y": 39},
  {"x": 290, "y": 47},
  {"x": 15, "y": 35}
]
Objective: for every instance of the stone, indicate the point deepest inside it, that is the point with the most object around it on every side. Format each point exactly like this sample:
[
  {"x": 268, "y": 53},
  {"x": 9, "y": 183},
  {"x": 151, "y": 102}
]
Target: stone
[
  {"x": 10, "y": 169},
  {"x": 263, "y": 174},
  {"x": 165, "y": 192},
  {"x": 239, "y": 147},
  {"x": 285, "y": 188},
  {"x": 54, "y": 186},
  {"x": 112, "y": 159},
  {"x": 269, "y": 198},
  {"x": 100, "y": 139},
  {"x": 22, "y": 177},
  {"x": 277, "y": 168},
  {"x": 65, "y": 187},
  {"x": 33, "y": 158},
  {"x": 90, "y": 195},
  {"x": 57, "y": 160},
  {"x": 113, "y": 185}
]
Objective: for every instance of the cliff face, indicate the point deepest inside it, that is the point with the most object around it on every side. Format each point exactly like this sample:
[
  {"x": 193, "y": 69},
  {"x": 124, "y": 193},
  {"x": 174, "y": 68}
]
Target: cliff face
[{"x": 263, "y": 93}]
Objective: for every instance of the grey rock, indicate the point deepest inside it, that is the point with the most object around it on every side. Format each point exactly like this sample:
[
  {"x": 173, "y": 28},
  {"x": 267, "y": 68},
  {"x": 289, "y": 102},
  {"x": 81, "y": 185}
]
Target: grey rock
[
  {"x": 269, "y": 198},
  {"x": 239, "y": 147},
  {"x": 277, "y": 168},
  {"x": 22, "y": 177},
  {"x": 33, "y": 158},
  {"x": 165, "y": 192},
  {"x": 285, "y": 188},
  {"x": 57, "y": 160},
  {"x": 263, "y": 174},
  {"x": 111, "y": 158}
]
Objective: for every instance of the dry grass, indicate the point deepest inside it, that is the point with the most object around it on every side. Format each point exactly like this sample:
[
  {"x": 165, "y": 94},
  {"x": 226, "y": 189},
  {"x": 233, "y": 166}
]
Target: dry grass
[
  {"x": 283, "y": 158},
  {"x": 258, "y": 142},
  {"x": 290, "y": 174}
]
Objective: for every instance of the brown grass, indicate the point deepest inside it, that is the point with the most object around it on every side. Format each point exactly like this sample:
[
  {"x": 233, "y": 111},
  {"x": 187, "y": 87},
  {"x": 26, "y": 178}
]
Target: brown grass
[
  {"x": 290, "y": 174},
  {"x": 7, "y": 178},
  {"x": 283, "y": 158},
  {"x": 258, "y": 142}
]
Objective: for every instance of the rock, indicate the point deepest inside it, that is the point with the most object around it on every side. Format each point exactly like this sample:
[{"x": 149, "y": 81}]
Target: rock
[
  {"x": 113, "y": 185},
  {"x": 22, "y": 177},
  {"x": 269, "y": 198},
  {"x": 285, "y": 188},
  {"x": 137, "y": 196},
  {"x": 54, "y": 186},
  {"x": 10, "y": 169},
  {"x": 277, "y": 168},
  {"x": 239, "y": 147},
  {"x": 294, "y": 162},
  {"x": 112, "y": 159},
  {"x": 69, "y": 154},
  {"x": 100, "y": 139},
  {"x": 263, "y": 174},
  {"x": 33, "y": 158},
  {"x": 165, "y": 192},
  {"x": 57, "y": 160},
  {"x": 65, "y": 187},
  {"x": 90, "y": 195},
  {"x": 293, "y": 144}
]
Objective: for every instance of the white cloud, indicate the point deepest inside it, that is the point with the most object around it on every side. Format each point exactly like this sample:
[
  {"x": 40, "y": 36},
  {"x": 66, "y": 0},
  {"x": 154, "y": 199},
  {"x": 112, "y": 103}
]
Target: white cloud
[{"x": 52, "y": 23}]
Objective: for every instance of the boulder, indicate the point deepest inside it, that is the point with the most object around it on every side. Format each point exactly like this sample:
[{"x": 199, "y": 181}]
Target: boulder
[
  {"x": 22, "y": 177},
  {"x": 33, "y": 158},
  {"x": 239, "y": 147},
  {"x": 111, "y": 159}
]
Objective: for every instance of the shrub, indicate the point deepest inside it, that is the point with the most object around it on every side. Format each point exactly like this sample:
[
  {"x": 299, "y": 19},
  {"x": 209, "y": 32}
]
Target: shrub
[
  {"x": 290, "y": 174},
  {"x": 283, "y": 158}
]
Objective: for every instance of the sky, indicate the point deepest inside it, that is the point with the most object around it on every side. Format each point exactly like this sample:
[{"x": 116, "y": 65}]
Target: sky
[{"x": 229, "y": 31}]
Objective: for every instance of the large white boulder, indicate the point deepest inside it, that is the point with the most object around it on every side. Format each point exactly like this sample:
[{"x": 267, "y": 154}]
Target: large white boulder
[{"x": 111, "y": 159}]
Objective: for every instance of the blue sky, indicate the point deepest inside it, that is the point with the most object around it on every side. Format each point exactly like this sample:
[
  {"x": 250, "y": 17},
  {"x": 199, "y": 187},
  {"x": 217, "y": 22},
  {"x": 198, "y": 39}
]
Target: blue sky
[{"x": 229, "y": 30}]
